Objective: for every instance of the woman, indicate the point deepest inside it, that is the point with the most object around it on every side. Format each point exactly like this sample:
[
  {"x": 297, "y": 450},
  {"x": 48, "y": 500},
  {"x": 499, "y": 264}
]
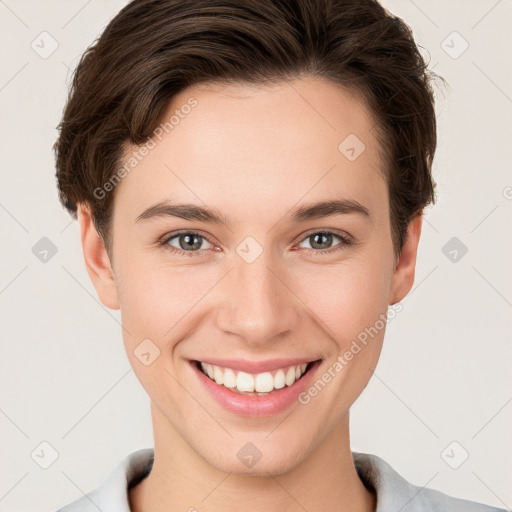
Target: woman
[{"x": 249, "y": 179}]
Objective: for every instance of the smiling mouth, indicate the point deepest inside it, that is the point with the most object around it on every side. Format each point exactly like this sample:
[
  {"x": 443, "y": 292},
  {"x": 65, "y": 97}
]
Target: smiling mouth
[{"x": 259, "y": 384}]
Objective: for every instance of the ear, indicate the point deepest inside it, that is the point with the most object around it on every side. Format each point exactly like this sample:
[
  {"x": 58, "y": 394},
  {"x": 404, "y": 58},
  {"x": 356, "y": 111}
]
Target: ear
[
  {"x": 97, "y": 261},
  {"x": 403, "y": 275}
]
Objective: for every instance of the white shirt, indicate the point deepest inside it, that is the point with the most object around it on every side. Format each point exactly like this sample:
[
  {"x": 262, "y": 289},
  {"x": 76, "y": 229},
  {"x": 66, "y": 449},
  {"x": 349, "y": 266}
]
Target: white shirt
[{"x": 394, "y": 493}]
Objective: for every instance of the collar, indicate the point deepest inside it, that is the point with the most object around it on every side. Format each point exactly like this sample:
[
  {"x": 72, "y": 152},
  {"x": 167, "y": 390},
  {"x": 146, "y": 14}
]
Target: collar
[{"x": 394, "y": 493}]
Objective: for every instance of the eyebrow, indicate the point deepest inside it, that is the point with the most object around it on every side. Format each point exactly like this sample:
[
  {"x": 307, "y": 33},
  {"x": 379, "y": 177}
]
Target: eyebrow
[{"x": 311, "y": 211}]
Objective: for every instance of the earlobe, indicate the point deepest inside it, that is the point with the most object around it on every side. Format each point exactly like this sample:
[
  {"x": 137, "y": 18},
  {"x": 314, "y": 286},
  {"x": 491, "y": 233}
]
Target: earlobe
[
  {"x": 97, "y": 261},
  {"x": 403, "y": 275}
]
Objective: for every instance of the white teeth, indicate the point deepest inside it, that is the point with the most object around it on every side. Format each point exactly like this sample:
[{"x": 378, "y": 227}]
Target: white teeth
[
  {"x": 218, "y": 375},
  {"x": 245, "y": 382},
  {"x": 261, "y": 383},
  {"x": 290, "y": 376},
  {"x": 279, "y": 379},
  {"x": 264, "y": 382},
  {"x": 300, "y": 370},
  {"x": 229, "y": 378}
]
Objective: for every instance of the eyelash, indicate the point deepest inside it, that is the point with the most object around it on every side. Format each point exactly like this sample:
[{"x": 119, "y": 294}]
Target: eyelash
[{"x": 345, "y": 242}]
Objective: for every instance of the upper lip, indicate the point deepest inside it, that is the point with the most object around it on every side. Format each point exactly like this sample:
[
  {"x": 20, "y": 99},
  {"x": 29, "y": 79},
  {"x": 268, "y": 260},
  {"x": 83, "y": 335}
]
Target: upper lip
[{"x": 248, "y": 366}]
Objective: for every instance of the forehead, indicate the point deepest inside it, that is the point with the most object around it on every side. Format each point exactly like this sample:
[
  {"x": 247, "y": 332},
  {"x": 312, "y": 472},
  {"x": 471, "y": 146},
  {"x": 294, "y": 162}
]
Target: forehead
[{"x": 245, "y": 145}]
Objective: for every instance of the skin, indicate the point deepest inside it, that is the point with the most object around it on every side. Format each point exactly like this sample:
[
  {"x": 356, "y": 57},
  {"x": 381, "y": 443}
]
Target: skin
[{"x": 253, "y": 153}]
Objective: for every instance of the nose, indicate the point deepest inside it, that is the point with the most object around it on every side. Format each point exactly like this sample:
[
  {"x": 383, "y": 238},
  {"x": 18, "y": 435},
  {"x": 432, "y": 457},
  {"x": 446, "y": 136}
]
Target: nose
[{"x": 258, "y": 304}]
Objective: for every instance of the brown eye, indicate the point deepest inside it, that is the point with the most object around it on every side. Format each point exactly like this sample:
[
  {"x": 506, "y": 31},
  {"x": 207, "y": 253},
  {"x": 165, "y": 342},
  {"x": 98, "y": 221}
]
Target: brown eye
[
  {"x": 185, "y": 242},
  {"x": 322, "y": 242}
]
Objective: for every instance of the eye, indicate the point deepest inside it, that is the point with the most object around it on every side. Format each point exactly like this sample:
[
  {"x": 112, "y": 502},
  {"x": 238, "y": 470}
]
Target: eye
[
  {"x": 185, "y": 242},
  {"x": 322, "y": 240},
  {"x": 191, "y": 243}
]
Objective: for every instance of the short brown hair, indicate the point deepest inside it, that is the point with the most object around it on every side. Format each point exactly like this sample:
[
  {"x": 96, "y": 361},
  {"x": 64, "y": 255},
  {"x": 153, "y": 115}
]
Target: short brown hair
[{"x": 153, "y": 49}]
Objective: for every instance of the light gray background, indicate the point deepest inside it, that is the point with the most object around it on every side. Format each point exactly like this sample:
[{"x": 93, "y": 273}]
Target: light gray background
[{"x": 444, "y": 373}]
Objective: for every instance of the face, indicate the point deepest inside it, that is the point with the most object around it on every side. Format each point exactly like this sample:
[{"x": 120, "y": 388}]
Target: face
[{"x": 261, "y": 281}]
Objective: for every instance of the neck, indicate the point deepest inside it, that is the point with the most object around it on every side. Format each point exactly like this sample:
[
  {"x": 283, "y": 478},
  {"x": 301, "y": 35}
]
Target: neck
[{"x": 180, "y": 479}]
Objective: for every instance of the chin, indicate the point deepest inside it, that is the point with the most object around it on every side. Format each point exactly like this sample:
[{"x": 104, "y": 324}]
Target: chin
[{"x": 258, "y": 459}]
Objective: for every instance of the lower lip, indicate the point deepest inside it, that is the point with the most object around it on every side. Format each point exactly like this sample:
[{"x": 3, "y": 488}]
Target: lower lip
[{"x": 257, "y": 406}]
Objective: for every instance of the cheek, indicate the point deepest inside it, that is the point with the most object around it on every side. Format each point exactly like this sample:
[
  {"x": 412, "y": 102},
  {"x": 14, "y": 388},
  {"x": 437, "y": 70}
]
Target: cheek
[
  {"x": 156, "y": 303},
  {"x": 348, "y": 297},
  {"x": 156, "y": 296},
  {"x": 352, "y": 301}
]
